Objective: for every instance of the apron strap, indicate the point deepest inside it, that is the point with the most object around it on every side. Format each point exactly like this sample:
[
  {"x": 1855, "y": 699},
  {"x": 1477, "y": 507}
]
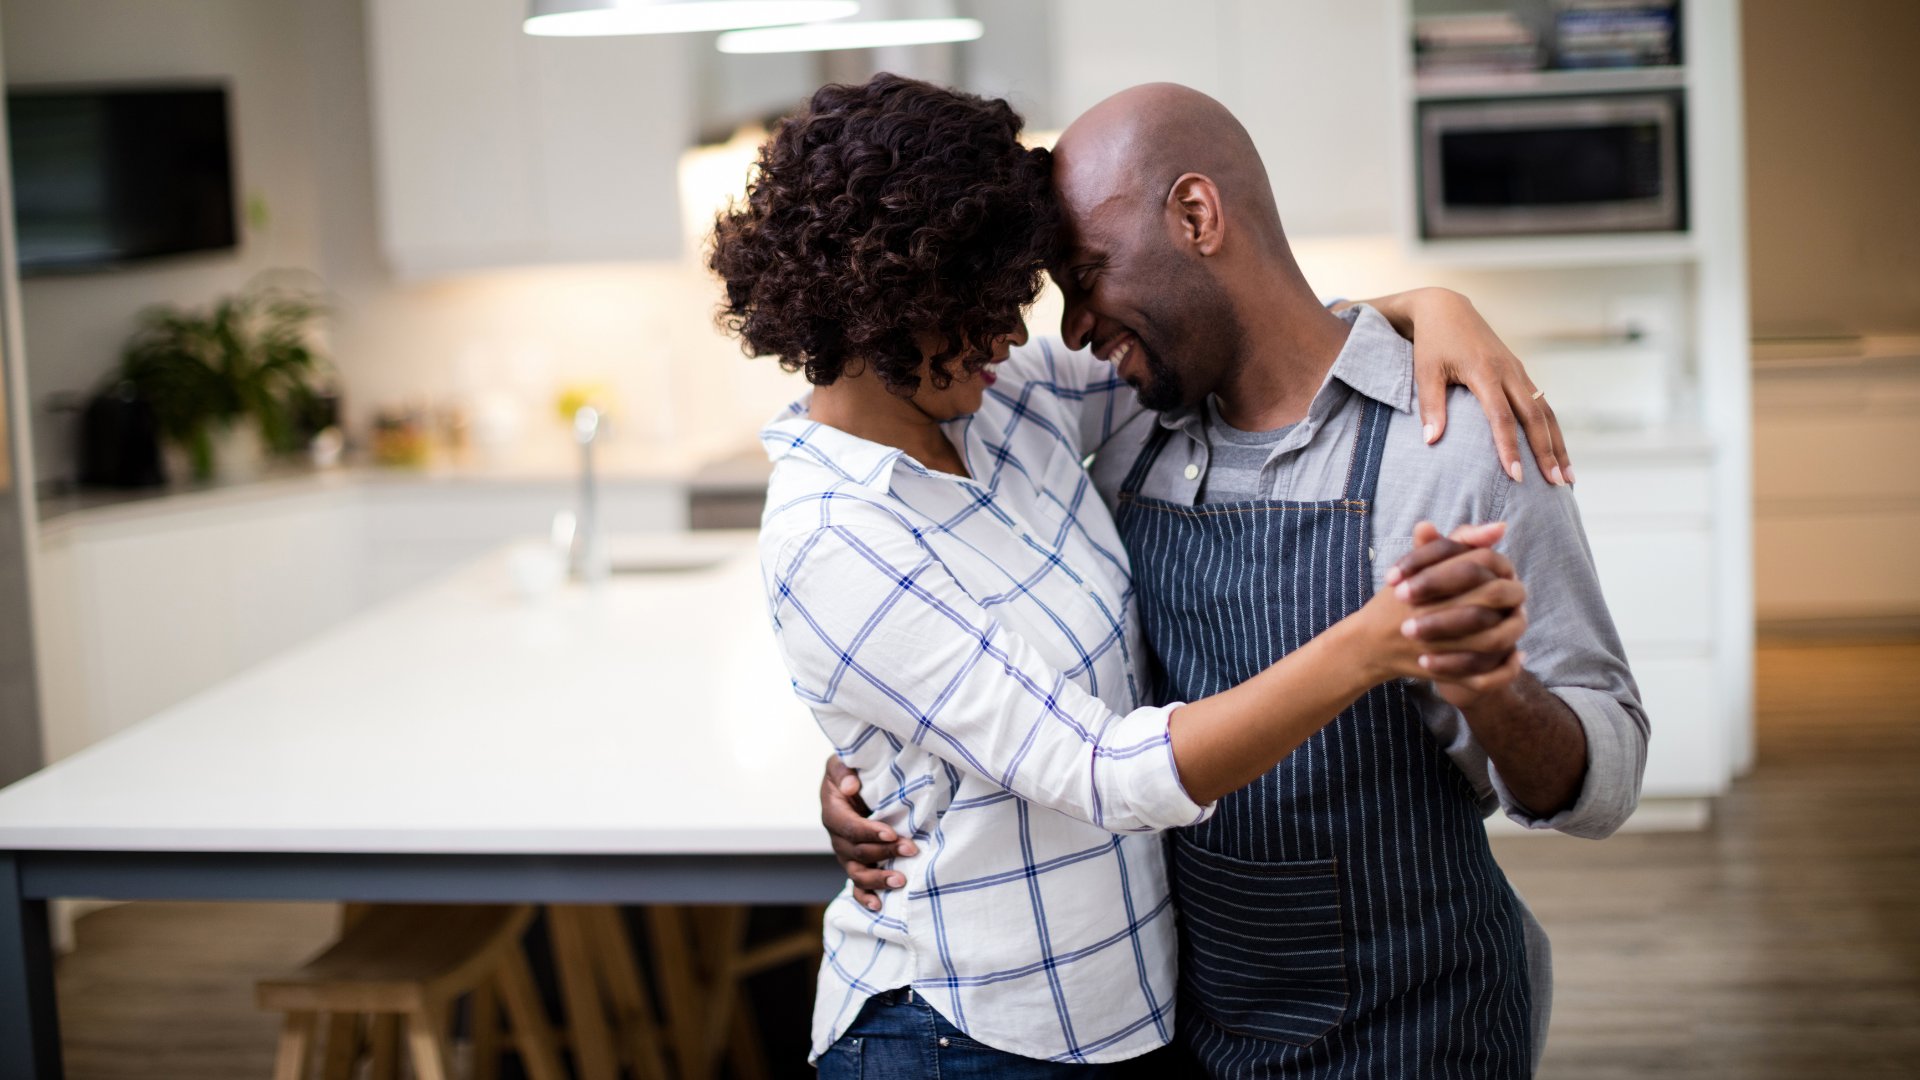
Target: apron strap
[
  {"x": 1144, "y": 463},
  {"x": 1369, "y": 445}
]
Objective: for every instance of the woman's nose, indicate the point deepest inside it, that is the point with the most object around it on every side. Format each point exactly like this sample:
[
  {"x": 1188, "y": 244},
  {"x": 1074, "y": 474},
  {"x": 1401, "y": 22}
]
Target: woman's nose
[{"x": 1006, "y": 343}]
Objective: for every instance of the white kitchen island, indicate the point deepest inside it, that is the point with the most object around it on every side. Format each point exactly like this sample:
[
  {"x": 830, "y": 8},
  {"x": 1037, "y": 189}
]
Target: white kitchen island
[{"x": 638, "y": 743}]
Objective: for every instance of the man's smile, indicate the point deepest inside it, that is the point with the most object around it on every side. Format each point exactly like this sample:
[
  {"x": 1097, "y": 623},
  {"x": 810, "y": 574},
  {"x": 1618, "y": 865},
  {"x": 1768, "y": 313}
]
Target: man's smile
[{"x": 1116, "y": 350}]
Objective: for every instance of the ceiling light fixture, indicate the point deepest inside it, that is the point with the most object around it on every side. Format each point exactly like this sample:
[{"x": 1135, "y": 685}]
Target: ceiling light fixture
[
  {"x": 594, "y": 18},
  {"x": 880, "y": 24}
]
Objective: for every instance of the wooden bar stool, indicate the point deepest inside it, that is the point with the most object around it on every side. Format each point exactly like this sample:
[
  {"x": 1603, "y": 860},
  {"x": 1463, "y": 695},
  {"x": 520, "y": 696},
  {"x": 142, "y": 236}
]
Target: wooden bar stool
[
  {"x": 610, "y": 1015},
  {"x": 410, "y": 963},
  {"x": 701, "y": 958}
]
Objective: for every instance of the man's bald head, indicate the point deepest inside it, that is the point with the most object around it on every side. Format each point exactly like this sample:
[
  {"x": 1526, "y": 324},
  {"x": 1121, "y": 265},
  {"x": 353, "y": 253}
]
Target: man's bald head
[
  {"x": 1171, "y": 246},
  {"x": 1133, "y": 146}
]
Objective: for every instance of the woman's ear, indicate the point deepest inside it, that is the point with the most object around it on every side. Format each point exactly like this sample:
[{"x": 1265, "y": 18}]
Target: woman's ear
[{"x": 1194, "y": 210}]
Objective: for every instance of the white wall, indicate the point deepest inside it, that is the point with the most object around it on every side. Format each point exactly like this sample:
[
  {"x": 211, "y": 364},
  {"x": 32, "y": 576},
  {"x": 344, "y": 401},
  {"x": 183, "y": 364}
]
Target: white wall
[
  {"x": 75, "y": 326},
  {"x": 1014, "y": 58},
  {"x": 1310, "y": 79}
]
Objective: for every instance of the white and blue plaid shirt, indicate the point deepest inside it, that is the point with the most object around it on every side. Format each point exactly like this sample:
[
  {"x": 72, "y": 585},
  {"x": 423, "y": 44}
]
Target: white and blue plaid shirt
[{"x": 969, "y": 646}]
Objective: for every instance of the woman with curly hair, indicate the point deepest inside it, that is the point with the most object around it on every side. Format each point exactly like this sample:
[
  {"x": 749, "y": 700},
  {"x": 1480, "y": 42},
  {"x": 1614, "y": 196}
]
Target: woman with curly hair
[{"x": 953, "y": 602}]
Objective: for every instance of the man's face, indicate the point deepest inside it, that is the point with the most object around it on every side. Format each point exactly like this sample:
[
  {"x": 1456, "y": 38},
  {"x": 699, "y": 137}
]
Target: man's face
[{"x": 1139, "y": 301}]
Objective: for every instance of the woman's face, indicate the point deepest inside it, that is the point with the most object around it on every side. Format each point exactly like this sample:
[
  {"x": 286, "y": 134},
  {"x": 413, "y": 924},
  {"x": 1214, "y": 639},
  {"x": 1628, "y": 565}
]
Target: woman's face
[{"x": 962, "y": 396}]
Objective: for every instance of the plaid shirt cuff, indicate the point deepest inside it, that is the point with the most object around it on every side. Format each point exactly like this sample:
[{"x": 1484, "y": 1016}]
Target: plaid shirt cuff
[{"x": 1151, "y": 783}]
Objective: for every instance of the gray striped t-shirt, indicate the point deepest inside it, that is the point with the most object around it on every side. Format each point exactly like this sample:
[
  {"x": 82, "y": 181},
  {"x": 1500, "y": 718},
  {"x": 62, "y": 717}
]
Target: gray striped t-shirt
[{"x": 1237, "y": 460}]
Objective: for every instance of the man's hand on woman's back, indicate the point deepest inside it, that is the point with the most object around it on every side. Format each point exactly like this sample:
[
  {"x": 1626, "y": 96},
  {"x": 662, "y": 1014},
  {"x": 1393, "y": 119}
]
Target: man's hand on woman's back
[{"x": 862, "y": 844}]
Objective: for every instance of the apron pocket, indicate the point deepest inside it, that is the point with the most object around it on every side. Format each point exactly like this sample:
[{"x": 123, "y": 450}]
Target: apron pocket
[{"x": 1263, "y": 945}]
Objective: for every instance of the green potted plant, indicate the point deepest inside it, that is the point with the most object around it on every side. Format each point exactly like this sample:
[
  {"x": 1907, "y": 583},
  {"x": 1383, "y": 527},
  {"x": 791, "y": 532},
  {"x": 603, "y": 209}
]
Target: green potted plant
[{"x": 207, "y": 373}]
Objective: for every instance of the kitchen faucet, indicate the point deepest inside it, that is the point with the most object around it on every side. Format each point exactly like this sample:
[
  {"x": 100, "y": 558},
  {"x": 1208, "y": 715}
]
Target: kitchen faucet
[{"x": 587, "y": 557}]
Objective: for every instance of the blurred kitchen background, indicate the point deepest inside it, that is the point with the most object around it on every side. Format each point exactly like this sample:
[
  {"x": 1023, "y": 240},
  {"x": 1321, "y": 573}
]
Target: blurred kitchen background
[{"x": 419, "y": 239}]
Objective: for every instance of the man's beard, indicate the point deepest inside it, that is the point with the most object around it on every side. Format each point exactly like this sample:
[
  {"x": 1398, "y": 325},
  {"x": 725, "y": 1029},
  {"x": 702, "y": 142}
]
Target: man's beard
[
  {"x": 1208, "y": 338},
  {"x": 1160, "y": 389},
  {"x": 1204, "y": 343}
]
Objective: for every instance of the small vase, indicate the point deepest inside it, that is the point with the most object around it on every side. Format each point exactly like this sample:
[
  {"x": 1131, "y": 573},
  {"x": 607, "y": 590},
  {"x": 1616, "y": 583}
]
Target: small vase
[
  {"x": 177, "y": 462},
  {"x": 239, "y": 453}
]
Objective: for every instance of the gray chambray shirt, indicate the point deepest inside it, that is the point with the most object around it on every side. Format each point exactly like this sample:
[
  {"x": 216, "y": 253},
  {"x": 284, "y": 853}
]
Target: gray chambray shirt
[{"x": 1571, "y": 644}]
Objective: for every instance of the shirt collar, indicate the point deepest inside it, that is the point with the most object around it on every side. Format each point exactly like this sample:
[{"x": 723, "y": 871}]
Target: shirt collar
[
  {"x": 795, "y": 434},
  {"x": 1375, "y": 361}
]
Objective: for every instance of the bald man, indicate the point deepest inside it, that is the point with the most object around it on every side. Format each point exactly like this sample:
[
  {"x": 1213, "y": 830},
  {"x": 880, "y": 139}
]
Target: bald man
[{"x": 1343, "y": 915}]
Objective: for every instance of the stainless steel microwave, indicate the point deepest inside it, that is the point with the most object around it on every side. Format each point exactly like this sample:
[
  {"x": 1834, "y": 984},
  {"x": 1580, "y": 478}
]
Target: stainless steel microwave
[{"x": 1605, "y": 163}]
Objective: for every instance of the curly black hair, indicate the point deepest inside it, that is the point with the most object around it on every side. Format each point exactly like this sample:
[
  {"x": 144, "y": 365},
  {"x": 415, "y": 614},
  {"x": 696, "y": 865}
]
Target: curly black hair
[{"x": 879, "y": 215}]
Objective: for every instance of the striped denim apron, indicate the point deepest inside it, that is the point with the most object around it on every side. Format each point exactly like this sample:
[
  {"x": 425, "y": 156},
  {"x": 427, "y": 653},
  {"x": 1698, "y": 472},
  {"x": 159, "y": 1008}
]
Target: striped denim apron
[{"x": 1342, "y": 915}]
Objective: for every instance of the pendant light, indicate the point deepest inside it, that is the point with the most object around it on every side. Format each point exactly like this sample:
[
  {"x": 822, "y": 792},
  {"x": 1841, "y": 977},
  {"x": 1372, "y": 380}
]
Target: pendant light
[
  {"x": 880, "y": 24},
  {"x": 592, "y": 18}
]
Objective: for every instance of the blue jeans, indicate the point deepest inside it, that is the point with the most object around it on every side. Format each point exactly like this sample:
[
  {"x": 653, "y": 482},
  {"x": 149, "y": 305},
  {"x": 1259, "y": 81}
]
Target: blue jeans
[{"x": 897, "y": 1036}]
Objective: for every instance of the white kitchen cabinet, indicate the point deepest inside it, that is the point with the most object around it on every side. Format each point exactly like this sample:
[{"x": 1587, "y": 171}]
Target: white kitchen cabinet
[
  {"x": 1643, "y": 494},
  {"x": 1687, "y": 756},
  {"x": 1834, "y": 445},
  {"x": 140, "y": 614},
  {"x": 1308, "y": 78},
  {"x": 58, "y": 653},
  {"x": 1099, "y": 50},
  {"x": 1649, "y": 521},
  {"x": 1838, "y": 566},
  {"x": 494, "y": 148},
  {"x": 145, "y": 605},
  {"x": 1658, "y": 584}
]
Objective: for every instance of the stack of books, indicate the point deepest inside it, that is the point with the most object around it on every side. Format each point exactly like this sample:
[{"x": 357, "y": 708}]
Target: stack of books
[
  {"x": 1475, "y": 43},
  {"x": 1614, "y": 33}
]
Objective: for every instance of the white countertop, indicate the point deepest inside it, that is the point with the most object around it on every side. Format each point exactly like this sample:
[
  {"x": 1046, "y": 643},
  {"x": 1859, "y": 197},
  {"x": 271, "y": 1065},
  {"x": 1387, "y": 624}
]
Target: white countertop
[
  {"x": 1677, "y": 443},
  {"x": 652, "y": 716},
  {"x": 621, "y": 467}
]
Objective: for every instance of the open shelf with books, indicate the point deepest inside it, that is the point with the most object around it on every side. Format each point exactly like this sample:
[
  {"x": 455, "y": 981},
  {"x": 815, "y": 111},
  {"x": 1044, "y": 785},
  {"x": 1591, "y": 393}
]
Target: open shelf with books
[{"x": 1546, "y": 46}]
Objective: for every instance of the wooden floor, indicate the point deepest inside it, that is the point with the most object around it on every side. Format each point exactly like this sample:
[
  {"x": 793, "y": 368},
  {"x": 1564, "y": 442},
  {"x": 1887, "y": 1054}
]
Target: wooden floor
[{"x": 1783, "y": 941}]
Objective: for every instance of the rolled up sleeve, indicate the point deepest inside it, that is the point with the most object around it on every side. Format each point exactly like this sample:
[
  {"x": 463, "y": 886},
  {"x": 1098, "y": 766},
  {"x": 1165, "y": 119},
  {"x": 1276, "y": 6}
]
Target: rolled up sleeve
[
  {"x": 1574, "y": 650},
  {"x": 1616, "y": 759},
  {"x": 879, "y": 638}
]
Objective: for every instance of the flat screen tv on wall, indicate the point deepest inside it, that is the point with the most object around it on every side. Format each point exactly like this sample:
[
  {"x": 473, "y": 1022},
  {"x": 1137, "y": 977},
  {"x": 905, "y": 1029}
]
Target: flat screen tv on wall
[{"x": 108, "y": 176}]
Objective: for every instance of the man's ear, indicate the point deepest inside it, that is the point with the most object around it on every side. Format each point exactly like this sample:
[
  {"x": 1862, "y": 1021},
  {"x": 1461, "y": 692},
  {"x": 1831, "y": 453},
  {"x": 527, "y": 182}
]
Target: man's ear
[{"x": 1196, "y": 214}]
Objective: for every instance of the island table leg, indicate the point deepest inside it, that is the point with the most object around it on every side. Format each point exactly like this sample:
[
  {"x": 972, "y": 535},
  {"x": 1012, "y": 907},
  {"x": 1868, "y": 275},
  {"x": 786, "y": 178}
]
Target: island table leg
[{"x": 29, "y": 1025}]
